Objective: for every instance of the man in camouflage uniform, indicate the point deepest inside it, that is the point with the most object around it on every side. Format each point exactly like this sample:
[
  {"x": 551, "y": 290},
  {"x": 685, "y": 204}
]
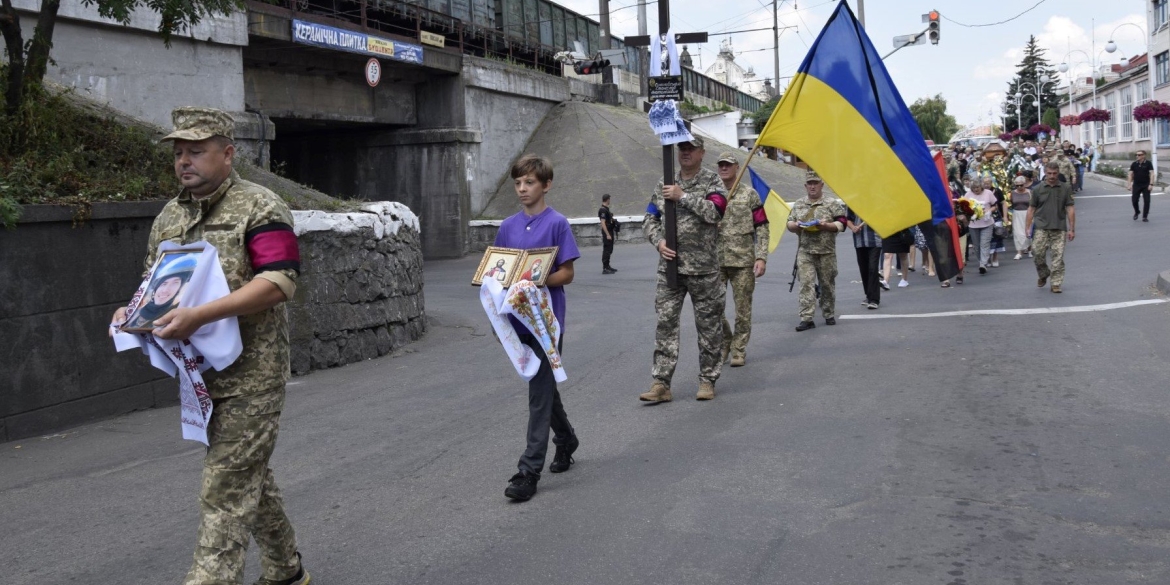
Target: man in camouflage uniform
[
  {"x": 251, "y": 228},
  {"x": 816, "y": 259},
  {"x": 1067, "y": 168},
  {"x": 700, "y": 199},
  {"x": 1052, "y": 216},
  {"x": 953, "y": 174},
  {"x": 743, "y": 255}
]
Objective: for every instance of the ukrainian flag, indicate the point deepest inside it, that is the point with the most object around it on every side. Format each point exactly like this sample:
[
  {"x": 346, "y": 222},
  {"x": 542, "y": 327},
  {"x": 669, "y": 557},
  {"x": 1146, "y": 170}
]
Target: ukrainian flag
[
  {"x": 774, "y": 207},
  {"x": 843, "y": 116}
]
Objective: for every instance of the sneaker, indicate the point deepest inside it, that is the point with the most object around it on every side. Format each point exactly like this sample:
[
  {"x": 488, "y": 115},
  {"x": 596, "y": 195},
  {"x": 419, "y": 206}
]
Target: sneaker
[
  {"x": 1145, "y": 219},
  {"x": 831, "y": 321},
  {"x": 563, "y": 460},
  {"x": 608, "y": 271},
  {"x": 865, "y": 303},
  {"x": 301, "y": 578},
  {"x": 982, "y": 270},
  {"x": 903, "y": 283},
  {"x": 1018, "y": 256},
  {"x": 1056, "y": 288},
  {"x": 612, "y": 269},
  {"x": 522, "y": 486},
  {"x": 737, "y": 361},
  {"x": 706, "y": 390},
  {"x": 995, "y": 264},
  {"x": 872, "y": 306},
  {"x": 805, "y": 326},
  {"x": 1135, "y": 216},
  {"x": 885, "y": 285},
  {"x": 1030, "y": 254},
  {"x": 659, "y": 392}
]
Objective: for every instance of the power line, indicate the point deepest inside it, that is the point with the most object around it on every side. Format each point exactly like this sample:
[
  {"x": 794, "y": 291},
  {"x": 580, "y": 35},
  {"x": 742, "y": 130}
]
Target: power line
[
  {"x": 994, "y": 23},
  {"x": 732, "y": 32}
]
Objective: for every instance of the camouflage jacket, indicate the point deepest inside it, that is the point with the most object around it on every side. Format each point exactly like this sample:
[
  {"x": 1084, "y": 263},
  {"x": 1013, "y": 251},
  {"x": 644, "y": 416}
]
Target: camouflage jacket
[
  {"x": 743, "y": 233},
  {"x": 698, "y": 215},
  {"x": 826, "y": 208},
  {"x": 251, "y": 228},
  {"x": 1068, "y": 169}
]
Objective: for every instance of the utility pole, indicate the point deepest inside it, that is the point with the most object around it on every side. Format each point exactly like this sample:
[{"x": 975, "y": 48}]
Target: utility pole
[
  {"x": 861, "y": 12},
  {"x": 643, "y": 54},
  {"x": 776, "y": 46}
]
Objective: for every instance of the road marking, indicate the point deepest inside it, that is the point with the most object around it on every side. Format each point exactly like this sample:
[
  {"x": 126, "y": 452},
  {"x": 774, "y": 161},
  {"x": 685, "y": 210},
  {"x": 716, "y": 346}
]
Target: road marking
[
  {"x": 1075, "y": 197},
  {"x": 1039, "y": 311}
]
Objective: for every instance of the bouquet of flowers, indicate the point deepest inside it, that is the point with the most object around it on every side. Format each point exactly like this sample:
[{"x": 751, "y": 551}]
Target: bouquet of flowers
[
  {"x": 969, "y": 207},
  {"x": 1095, "y": 115},
  {"x": 1151, "y": 110},
  {"x": 1038, "y": 128}
]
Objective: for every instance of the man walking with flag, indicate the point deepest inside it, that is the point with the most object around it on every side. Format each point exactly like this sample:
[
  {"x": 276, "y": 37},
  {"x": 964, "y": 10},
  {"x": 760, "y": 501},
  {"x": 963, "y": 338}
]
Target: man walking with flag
[
  {"x": 743, "y": 255},
  {"x": 817, "y": 220}
]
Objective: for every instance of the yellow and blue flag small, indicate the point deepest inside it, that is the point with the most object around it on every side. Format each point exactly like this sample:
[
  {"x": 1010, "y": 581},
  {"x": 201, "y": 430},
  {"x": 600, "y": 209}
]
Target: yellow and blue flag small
[{"x": 774, "y": 207}]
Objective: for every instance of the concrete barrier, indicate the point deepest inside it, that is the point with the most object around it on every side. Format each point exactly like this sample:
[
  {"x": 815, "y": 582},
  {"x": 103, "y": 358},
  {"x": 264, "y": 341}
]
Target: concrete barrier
[{"x": 1163, "y": 282}]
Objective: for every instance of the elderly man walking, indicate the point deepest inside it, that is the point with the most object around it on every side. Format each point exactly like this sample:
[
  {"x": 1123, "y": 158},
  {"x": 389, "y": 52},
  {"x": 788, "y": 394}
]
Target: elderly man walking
[{"x": 743, "y": 256}]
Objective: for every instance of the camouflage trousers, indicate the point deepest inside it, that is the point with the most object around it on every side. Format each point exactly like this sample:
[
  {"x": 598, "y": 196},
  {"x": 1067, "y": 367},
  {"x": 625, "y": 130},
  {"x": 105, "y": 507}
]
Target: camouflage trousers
[
  {"x": 743, "y": 285},
  {"x": 239, "y": 498},
  {"x": 707, "y": 298},
  {"x": 1042, "y": 242},
  {"x": 815, "y": 269}
]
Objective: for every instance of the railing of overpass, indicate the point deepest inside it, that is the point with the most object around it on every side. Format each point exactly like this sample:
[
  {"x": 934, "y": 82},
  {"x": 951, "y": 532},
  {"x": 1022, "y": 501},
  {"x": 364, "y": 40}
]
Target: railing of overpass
[{"x": 525, "y": 32}]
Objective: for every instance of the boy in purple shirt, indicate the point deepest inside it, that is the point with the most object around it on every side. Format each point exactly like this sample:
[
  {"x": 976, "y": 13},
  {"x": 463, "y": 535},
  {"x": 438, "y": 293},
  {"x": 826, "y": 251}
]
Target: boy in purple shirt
[{"x": 540, "y": 226}]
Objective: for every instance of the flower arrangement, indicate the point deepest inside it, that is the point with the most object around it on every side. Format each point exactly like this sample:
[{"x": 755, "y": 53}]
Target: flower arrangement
[
  {"x": 969, "y": 207},
  {"x": 1151, "y": 110},
  {"x": 1006, "y": 137},
  {"x": 1073, "y": 120},
  {"x": 1038, "y": 128},
  {"x": 1095, "y": 115}
]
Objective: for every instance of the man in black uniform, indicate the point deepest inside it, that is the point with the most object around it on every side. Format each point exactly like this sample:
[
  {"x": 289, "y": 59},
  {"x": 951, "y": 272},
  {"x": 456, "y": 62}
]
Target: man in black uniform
[
  {"x": 1141, "y": 175},
  {"x": 609, "y": 227}
]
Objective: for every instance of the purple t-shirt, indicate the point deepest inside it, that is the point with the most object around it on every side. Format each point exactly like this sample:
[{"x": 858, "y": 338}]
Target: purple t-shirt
[{"x": 545, "y": 229}]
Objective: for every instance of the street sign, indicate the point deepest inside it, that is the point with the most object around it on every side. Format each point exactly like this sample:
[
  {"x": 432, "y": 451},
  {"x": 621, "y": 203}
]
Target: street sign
[
  {"x": 373, "y": 72},
  {"x": 616, "y": 57},
  {"x": 666, "y": 87},
  {"x": 430, "y": 38},
  {"x": 907, "y": 40}
]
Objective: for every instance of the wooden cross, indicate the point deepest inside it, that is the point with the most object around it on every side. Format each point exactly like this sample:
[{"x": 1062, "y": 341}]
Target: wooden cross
[{"x": 670, "y": 215}]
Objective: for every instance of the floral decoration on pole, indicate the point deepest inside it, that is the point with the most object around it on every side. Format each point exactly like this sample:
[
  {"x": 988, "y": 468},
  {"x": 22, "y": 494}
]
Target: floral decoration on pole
[
  {"x": 1095, "y": 115},
  {"x": 1151, "y": 110},
  {"x": 1074, "y": 120}
]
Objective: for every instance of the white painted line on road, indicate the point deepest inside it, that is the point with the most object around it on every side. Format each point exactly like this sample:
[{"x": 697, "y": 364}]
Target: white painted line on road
[
  {"x": 1039, "y": 311},
  {"x": 1076, "y": 197}
]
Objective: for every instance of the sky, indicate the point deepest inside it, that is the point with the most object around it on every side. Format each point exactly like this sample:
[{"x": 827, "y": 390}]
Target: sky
[{"x": 971, "y": 66}]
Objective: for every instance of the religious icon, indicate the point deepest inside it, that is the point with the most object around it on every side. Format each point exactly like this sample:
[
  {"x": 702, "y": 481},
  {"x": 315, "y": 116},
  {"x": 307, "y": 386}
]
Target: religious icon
[
  {"x": 498, "y": 264},
  {"x": 168, "y": 280},
  {"x": 537, "y": 263}
]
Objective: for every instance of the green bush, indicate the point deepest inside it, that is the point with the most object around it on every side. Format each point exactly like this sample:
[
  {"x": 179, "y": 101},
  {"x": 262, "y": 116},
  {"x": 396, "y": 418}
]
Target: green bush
[
  {"x": 1104, "y": 168},
  {"x": 58, "y": 153}
]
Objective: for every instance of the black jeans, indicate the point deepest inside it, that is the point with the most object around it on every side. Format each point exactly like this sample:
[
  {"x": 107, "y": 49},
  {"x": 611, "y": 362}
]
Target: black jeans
[
  {"x": 606, "y": 250},
  {"x": 1141, "y": 192},
  {"x": 545, "y": 411},
  {"x": 868, "y": 261}
]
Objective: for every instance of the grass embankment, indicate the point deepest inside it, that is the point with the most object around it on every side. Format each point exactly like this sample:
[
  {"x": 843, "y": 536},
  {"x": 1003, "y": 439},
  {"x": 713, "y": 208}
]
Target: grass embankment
[{"x": 67, "y": 150}]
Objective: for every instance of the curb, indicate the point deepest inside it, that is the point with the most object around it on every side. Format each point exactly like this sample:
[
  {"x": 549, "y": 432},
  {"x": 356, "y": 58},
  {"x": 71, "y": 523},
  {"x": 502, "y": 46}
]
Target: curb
[
  {"x": 1117, "y": 181},
  {"x": 1163, "y": 282}
]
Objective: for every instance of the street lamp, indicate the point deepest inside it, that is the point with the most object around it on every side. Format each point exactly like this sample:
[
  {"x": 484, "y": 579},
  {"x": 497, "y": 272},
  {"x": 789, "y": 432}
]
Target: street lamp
[
  {"x": 1111, "y": 46},
  {"x": 1019, "y": 111}
]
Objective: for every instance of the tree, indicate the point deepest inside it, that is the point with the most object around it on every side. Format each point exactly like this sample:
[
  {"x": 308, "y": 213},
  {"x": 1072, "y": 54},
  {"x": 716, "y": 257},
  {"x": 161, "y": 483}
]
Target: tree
[
  {"x": 27, "y": 62},
  {"x": 1052, "y": 118},
  {"x": 933, "y": 120},
  {"x": 1027, "y": 82},
  {"x": 765, "y": 112}
]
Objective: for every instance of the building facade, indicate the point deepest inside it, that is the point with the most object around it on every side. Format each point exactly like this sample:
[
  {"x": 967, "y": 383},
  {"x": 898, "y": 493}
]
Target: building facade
[
  {"x": 726, "y": 70},
  {"x": 1119, "y": 90}
]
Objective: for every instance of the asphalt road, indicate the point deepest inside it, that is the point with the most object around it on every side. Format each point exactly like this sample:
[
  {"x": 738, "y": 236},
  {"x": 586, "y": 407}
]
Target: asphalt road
[{"x": 979, "y": 449}]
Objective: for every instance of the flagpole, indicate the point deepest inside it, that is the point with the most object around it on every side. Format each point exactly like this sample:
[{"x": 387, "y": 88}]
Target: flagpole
[{"x": 735, "y": 185}]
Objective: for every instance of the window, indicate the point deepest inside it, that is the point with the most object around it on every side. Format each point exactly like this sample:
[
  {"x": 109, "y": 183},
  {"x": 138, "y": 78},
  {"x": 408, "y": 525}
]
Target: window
[
  {"x": 1111, "y": 125},
  {"x": 1163, "y": 132},
  {"x": 1127, "y": 113},
  {"x": 1143, "y": 96},
  {"x": 1162, "y": 68},
  {"x": 1160, "y": 13}
]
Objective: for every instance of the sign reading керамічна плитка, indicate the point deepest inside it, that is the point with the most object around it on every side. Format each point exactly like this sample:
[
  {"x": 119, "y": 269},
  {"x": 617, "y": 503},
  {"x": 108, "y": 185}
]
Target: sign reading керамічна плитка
[{"x": 329, "y": 37}]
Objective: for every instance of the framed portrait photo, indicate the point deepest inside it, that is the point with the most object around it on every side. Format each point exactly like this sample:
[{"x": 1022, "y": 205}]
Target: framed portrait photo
[
  {"x": 537, "y": 264},
  {"x": 168, "y": 281},
  {"x": 498, "y": 263}
]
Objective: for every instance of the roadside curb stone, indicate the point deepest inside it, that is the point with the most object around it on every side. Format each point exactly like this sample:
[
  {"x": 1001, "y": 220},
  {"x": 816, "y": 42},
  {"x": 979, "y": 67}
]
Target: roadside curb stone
[{"x": 1163, "y": 282}]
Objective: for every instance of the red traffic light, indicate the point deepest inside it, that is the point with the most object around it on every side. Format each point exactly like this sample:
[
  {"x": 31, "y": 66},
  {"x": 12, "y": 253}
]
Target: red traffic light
[{"x": 933, "y": 16}]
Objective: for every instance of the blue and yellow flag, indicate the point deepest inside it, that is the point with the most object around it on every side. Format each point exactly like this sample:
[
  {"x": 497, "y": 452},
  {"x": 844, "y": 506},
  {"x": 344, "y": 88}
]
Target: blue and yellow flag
[
  {"x": 775, "y": 207},
  {"x": 843, "y": 116}
]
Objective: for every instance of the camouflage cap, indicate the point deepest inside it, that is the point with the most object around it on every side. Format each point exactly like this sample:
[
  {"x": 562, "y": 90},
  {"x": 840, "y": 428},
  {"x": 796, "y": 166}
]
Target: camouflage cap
[
  {"x": 200, "y": 124},
  {"x": 728, "y": 157},
  {"x": 696, "y": 141},
  {"x": 811, "y": 176}
]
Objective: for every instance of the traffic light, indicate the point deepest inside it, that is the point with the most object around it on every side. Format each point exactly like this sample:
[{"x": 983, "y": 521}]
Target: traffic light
[
  {"x": 590, "y": 67},
  {"x": 932, "y": 28}
]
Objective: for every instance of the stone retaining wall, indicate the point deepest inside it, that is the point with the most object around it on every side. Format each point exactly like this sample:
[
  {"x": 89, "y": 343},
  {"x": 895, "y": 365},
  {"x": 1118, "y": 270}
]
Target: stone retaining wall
[
  {"x": 360, "y": 293},
  {"x": 587, "y": 230},
  {"x": 359, "y": 296}
]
